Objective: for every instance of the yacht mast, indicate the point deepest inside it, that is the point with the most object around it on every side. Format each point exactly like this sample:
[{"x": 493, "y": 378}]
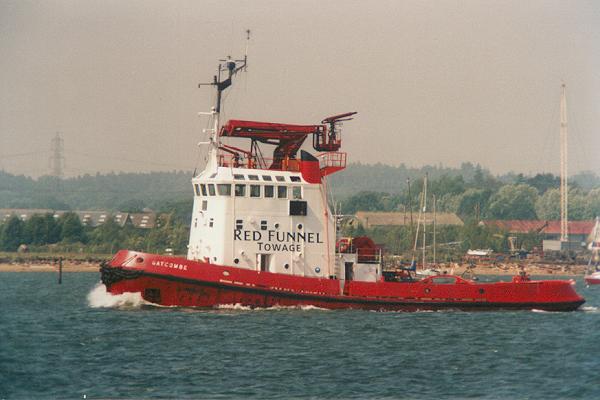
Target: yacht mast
[
  {"x": 564, "y": 188},
  {"x": 434, "y": 230},
  {"x": 424, "y": 215}
]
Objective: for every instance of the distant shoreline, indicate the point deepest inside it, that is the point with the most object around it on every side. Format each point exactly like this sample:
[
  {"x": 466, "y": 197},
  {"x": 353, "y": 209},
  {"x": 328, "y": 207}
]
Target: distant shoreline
[
  {"x": 533, "y": 269},
  {"x": 456, "y": 269},
  {"x": 44, "y": 267}
]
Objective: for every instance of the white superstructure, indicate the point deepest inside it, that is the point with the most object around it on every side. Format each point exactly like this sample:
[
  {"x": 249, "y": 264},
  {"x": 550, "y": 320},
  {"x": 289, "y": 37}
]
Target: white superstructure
[{"x": 262, "y": 220}]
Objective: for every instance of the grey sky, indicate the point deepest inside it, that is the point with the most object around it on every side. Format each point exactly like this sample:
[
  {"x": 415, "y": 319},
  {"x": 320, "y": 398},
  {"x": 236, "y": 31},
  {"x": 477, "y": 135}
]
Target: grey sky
[{"x": 433, "y": 81}]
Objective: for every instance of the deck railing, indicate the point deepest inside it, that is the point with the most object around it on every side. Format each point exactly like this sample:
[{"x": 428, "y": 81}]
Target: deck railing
[
  {"x": 331, "y": 162},
  {"x": 365, "y": 255},
  {"x": 230, "y": 160}
]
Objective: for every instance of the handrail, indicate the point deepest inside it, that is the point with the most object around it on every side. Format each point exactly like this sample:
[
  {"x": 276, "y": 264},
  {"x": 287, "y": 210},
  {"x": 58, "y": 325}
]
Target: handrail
[
  {"x": 364, "y": 255},
  {"x": 236, "y": 161}
]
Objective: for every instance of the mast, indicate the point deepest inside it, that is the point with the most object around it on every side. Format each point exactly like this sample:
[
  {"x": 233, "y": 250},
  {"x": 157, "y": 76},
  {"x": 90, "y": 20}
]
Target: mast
[
  {"x": 410, "y": 207},
  {"x": 564, "y": 188},
  {"x": 434, "y": 229},
  {"x": 424, "y": 215},
  {"x": 226, "y": 70},
  {"x": 414, "y": 250}
]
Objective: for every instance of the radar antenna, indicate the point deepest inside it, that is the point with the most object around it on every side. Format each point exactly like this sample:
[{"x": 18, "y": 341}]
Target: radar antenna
[{"x": 228, "y": 67}]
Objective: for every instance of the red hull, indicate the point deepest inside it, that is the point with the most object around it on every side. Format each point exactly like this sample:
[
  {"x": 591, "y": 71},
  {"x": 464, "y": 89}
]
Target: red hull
[
  {"x": 592, "y": 281},
  {"x": 173, "y": 281}
]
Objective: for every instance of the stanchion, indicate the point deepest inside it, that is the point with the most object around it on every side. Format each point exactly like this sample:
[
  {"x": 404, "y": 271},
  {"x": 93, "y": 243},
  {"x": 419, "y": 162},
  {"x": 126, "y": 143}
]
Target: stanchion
[{"x": 60, "y": 263}]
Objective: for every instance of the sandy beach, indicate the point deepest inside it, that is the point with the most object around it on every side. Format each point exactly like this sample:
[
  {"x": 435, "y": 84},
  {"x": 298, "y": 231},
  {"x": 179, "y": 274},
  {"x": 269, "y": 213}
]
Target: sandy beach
[{"x": 50, "y": 267}]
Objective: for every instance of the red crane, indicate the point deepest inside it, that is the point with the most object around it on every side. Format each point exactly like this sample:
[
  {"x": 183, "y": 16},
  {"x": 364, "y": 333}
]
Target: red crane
[{"x": 287, "y": 138}]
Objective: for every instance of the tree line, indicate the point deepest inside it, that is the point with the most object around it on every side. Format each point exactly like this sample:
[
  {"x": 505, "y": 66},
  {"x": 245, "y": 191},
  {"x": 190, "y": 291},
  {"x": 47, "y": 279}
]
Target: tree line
[
  {"x": 45, "y": 233},
  {"x": 536, "y": 197}
]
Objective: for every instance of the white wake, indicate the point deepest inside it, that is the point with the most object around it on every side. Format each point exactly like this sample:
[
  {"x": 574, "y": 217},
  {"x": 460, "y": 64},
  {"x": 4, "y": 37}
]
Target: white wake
[
  {"x": 99, "y": 297},
  {"x": 239, "y": 307}
]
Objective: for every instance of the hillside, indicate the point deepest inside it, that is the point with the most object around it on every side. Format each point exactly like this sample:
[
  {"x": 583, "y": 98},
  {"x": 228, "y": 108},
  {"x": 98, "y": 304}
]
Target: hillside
[{"x": 368, "y": 187}]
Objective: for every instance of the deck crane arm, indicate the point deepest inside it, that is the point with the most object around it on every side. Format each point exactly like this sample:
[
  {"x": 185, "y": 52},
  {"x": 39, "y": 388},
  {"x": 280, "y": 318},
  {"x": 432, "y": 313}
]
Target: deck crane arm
[{"x": 287, "y": 138}]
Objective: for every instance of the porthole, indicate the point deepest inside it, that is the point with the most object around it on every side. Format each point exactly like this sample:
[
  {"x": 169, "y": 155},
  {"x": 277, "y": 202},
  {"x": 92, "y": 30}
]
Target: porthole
[
  {"x": 286, "y": 266},
  {"x": 276, "y": 226},
  {"x": 299, "y": 226},
  {"x": 236, "y": 260},
  {"x": 317, "y": 270}
]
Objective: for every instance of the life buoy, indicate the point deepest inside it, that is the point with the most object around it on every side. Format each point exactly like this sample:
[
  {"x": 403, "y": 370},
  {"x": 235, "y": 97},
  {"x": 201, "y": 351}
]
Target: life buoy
[{"x": 344, "y": 245}]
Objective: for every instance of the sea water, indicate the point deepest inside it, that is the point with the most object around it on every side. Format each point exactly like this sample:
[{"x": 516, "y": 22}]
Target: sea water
[{"x": 76, "y": 341}]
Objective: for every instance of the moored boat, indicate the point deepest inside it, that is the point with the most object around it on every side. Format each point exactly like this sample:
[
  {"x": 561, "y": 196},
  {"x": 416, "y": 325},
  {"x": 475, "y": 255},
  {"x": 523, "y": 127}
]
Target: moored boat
[
  {"x": 592, "y": 278},
  {"x": 262, "y": 234}
]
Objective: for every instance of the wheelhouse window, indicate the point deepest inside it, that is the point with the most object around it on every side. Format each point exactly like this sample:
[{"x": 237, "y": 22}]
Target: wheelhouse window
[
  {"x": 267, "y": 178},
  {"x": 238, "y": 177},
  {"x": 211, "y": 189},
  {"x": 253, "y": 177},
  {"x": 282, "y": 192},
  {"x": 204, "y": 205},
  {"x": 295, "y": 178},
  {"x": 254, "y": 190},
  {"x": 197, "y": 189},
  {"x": 224, "y": 189},
  {"x": 296, "y": 192},
  {"x": 280, "y": 178},
  {"x": 240, "y": 190},
  {"x": 203, "y": 188},
  {"x": 239, "y": 224},
  {"x": 298, "y": 207},
  {"x": 269, "y": 191},
  {"x": 263, "y": 225}
]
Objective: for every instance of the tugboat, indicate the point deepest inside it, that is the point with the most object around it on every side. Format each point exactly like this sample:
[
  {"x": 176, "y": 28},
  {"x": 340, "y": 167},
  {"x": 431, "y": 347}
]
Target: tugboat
[{"x": 262, "y": 234}]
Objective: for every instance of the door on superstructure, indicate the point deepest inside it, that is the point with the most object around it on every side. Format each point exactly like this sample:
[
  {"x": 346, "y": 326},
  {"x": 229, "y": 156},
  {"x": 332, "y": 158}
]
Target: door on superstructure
[
  {"x": 263, "y": 261},
  {"x": 349, "y": 271},
  {"x": 348, "y": 276}
]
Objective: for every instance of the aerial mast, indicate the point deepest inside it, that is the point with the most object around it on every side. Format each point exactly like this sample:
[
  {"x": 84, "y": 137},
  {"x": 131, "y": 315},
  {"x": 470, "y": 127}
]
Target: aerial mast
[
  {"x": 228, "y": 67},
  {"x": 57, "y": 159}
]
